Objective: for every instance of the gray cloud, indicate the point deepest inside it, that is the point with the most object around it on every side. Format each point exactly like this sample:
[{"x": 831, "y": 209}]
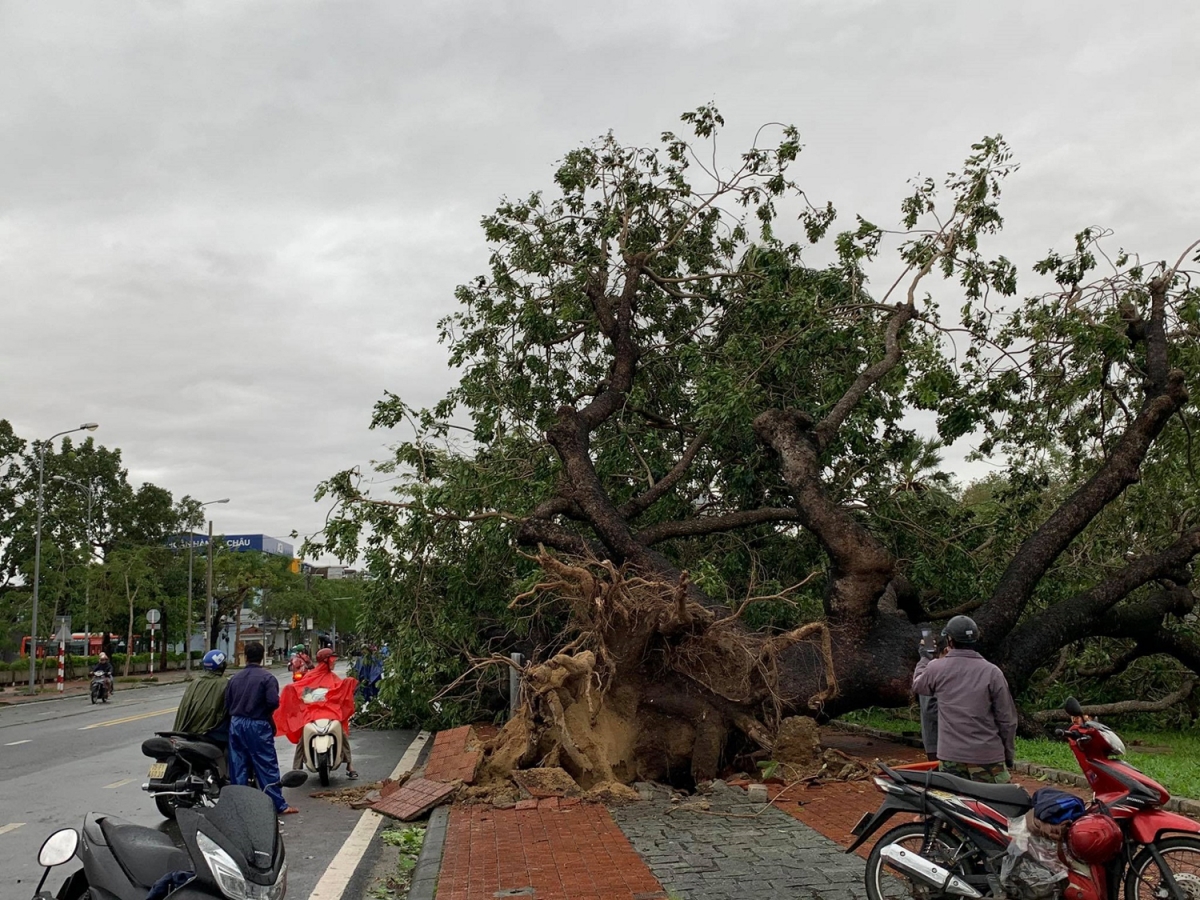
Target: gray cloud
[{"x": 227, "y": 227}]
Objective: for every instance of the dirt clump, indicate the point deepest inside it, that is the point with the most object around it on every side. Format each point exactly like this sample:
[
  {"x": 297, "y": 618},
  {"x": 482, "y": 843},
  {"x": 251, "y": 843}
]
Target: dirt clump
[
  {"x": 797, "y": 745},
  {"x": 546, "y": 782},
  {"x": 612, "y": 792}
]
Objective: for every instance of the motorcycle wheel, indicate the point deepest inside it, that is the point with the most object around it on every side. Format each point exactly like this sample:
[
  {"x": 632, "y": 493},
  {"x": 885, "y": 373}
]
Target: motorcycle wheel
[
  {"x": 167, "y": 805},
  {"x": 93, "y": 696},
  {"x": 881, "y": 881},
  {"x": 323, "y": 769},
  {"x": 1182, "y": 856}
]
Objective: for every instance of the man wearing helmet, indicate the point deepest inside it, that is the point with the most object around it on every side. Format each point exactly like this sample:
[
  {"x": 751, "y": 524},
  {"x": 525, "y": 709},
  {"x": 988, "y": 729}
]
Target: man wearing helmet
[
  {"x": 977, "y": 719},
  {"x": 105, "y": 665},
  {"x": 202, "y": 710}
]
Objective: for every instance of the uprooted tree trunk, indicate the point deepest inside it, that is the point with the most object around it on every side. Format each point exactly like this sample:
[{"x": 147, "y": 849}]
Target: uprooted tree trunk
[
  {"x": 664, "y": 677},
  {"x": 651, "y": 686}
]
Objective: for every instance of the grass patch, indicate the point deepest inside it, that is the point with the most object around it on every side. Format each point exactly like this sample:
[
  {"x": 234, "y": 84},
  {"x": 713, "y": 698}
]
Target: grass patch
[
  {"x": 1167, "y": 757},
  {"x": 408, "y": 840}
]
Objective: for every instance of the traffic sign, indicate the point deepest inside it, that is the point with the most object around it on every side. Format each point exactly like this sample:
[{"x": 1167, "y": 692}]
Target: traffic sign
[{"x": 152, "y": 616}]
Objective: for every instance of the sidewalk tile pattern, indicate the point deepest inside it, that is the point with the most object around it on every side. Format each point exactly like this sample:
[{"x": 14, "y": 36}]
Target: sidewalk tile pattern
[
  {"x": 450, "y": 760},
  {"x": 418, "y": 796},
  {"x": 547, "y": 853},
  {"x": 737, "y": 849}
]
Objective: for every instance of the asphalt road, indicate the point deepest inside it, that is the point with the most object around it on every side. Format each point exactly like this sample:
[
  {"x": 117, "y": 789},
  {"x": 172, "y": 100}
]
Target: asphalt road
[{"x": 60, "y": 759}]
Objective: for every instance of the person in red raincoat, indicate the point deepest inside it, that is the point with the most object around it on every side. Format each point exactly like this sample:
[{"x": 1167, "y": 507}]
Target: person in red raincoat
[{"x": 294, "y": 713}]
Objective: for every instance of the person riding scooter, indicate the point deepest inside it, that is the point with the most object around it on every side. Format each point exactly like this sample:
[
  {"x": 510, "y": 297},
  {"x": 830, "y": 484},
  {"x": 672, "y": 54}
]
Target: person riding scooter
[
  {"x": 319, "y": 694},
  {"x": 300, "y": 663},
  {"x": 105, "y": 666}
]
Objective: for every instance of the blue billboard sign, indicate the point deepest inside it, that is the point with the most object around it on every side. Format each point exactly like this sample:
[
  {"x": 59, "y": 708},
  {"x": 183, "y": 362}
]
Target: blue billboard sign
[{"x": 261, "y": 543}]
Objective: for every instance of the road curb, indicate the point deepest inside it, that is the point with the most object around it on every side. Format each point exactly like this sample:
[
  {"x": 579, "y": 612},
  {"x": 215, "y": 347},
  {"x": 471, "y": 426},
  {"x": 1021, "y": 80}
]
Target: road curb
[{"x": 429, "y": 863}]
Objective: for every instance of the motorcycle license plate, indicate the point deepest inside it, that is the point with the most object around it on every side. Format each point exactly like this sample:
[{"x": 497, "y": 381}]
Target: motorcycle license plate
[{"x": 158, "y": 770}]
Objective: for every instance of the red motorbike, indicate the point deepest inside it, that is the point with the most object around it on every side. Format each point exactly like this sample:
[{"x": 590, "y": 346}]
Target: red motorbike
[{"x": 958, "y": 845}]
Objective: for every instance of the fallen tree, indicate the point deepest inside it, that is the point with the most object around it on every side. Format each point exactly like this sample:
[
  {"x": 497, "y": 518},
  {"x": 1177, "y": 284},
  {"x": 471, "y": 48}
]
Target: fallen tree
[{"x": 689, "y": 454}]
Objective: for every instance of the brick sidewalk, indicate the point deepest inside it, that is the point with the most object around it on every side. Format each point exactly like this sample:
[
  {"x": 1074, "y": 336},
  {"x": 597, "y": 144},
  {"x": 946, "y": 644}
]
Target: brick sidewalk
[
  {"x": 717, "y": 846},
  {"x": 570, "y": 852}
]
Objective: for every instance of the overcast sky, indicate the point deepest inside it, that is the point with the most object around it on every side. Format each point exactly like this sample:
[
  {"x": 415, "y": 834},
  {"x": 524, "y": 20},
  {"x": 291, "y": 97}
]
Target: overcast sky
[{"x": 226, "y": 226}]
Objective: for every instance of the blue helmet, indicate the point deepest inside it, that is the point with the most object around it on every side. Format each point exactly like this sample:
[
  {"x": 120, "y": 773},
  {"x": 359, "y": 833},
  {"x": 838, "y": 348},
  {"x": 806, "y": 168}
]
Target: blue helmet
[{"x": 214, "y": 661}]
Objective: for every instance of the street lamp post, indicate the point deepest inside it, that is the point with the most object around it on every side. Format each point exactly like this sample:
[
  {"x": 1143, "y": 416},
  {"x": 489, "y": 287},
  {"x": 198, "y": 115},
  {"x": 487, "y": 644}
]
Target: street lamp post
[
  {"x": 87, "y": 582},
  {"x": 37, "y": 550},
  {"x": 187, "y": 641}
]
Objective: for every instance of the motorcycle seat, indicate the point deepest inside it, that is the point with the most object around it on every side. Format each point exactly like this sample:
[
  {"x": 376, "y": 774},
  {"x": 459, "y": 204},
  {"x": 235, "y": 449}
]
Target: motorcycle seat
[
  {"x": 1010, "y": 799},
  {"x": 202, "y": 752},
  {"x": 146, "y": 855}
]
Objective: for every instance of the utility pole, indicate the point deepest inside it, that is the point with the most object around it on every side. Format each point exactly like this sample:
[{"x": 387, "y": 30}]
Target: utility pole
[
  {"x": 208, "y": 593},
  {"x": 187, "y": 641}
]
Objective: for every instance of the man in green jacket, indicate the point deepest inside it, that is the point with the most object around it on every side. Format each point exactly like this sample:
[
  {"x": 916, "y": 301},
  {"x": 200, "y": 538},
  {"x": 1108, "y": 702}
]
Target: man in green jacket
[{"x": 202, "y": 710}]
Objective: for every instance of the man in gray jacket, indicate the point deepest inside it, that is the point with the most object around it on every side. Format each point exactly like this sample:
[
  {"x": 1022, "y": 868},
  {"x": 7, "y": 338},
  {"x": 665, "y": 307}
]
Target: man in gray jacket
[{"x": 977, "y": 719}]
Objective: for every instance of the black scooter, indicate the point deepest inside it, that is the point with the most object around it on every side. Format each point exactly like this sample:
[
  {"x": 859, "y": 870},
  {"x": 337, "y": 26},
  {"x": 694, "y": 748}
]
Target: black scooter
[
  {"x": 234, "y": 849},
  {"x": 188, "y": 770}
]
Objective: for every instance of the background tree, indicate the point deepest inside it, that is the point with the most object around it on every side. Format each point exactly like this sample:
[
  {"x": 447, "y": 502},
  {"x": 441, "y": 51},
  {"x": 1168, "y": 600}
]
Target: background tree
[
  {"x": 681, "y": 421},
  {"x": 74, "y": 548}
]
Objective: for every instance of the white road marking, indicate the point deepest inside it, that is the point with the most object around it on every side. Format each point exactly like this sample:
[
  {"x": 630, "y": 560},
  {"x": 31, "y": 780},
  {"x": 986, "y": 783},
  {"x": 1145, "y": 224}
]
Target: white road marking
[
  {"x": 14, "y": 743},
  {"x": 12, "y": 826},
  {"x": 333, "y": 883},
  {"x": 117, "y": 784}
]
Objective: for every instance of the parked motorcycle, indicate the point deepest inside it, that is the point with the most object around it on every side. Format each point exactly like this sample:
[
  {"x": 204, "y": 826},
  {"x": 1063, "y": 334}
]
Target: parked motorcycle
[
  {"x": 188, "y": 770},
  {"x": 99, "y": 687},
  {"x": 232, "y": 849},
  {"x": 323, "y": 741},
  {"x": 958, "y": 846}
]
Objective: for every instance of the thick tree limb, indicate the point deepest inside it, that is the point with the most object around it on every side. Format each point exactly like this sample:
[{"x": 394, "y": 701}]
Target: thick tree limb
[
  {"x": 861, "y": 566},
  {"x": 1034, "y": 640},
  {"x": 1164, "y": 397},
  {"x": 1122, "y": 707},
  {"x": 662, "y": 531}
]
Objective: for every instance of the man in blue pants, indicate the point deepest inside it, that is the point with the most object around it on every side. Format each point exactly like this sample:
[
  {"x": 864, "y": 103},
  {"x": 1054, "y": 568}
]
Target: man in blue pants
[{"x": 251, "y": 700}]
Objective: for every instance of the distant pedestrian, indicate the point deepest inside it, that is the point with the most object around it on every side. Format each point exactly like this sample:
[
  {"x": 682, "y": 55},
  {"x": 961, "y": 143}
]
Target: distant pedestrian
[
  {"x": 251, "y": 700},
  {"x": 977, "y": 719}
]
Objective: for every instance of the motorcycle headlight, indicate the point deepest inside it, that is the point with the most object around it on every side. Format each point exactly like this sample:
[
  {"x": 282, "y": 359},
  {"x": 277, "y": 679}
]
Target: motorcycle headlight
[{"x": 229, "y": 877}]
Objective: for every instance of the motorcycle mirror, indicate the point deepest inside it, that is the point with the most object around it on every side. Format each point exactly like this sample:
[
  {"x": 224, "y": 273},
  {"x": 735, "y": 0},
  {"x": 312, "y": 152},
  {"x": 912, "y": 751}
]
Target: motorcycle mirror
[
  {"x": 294, "y": 779},
  {"x": 58, "y": 848},
  {"x": 1072, "y": 707}
]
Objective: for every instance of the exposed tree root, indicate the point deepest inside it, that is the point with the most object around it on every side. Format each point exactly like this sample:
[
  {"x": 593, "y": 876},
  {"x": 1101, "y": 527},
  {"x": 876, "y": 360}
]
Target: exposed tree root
[{"x": 651, "y": 685}]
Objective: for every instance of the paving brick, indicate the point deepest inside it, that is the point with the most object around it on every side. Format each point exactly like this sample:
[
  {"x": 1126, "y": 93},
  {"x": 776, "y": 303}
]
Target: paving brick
[
  {"x": 450, "y": 759},
  {"x": 415, "y": 799},
  {"x": 576, "y": 853}
]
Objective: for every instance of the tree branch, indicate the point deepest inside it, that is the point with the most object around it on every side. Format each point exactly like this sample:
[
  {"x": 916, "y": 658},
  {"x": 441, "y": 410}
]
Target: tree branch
[
  {"x": 662, "y": 531},
  {"x": 861, "y": 566},
  {"x": 1039, "y": 551},
  {"x": 1122, "y": 707},
  {"x": 639, "y": 504},
  {"x": 827, "y": 428},
  {"x": 1031, "y": 642}
]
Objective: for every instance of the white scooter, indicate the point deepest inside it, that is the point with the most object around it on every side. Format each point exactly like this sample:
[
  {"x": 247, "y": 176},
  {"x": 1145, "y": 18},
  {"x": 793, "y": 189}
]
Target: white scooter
[{"x": 322, "y": 740}]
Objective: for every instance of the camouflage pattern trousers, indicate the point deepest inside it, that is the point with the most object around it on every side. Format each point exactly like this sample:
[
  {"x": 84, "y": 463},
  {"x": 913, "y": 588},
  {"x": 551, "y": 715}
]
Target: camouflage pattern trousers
[{"x": 990, "y": 773}]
